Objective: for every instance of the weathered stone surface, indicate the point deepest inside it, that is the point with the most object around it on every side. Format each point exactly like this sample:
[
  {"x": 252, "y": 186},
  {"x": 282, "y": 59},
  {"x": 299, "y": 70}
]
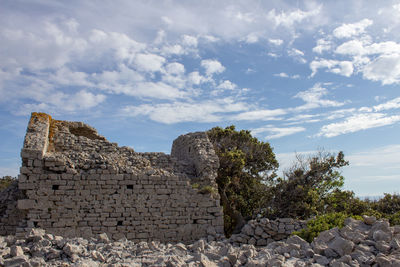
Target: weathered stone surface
[
  {"x": 16, "y": 251},
  {"x": 341, "y": 246},
  {"x": 42, "y": 249},
  {"x": 16, "y": 262},
  {"x": 370, "y": 220},
  {"x": 77, "y": 183},
  {"x": 263, "y": 230}
]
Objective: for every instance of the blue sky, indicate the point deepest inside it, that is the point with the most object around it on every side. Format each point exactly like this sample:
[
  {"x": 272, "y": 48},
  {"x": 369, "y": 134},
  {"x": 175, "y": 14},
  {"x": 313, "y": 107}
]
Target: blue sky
[{"x": 302, "y": 75}]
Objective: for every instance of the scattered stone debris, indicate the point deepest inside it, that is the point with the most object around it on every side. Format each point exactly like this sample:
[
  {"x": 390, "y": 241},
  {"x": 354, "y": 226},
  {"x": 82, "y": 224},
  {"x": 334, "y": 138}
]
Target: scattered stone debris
[{"x": 359, "y": 243}]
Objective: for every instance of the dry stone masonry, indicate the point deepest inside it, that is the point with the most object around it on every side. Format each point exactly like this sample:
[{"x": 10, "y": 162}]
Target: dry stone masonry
[
  {"x": 78, "y": 184},
  {"x": 263, "y": 231}
]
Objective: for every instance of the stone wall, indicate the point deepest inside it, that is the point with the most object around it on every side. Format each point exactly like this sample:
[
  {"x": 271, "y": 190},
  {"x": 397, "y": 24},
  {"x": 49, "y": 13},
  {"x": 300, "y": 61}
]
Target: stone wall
[
  {"x": 79, "y": 184},
  {"x": 11, "y": 218},
  {"x": 261, "y": 232}
]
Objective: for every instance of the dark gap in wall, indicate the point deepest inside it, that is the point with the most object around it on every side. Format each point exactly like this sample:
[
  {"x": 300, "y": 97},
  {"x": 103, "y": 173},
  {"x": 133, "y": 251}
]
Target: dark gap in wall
[
  {"x": 129, "y": 186},
  {"x": 119, "y": 223},
  {"x": 55, "y": 187}
]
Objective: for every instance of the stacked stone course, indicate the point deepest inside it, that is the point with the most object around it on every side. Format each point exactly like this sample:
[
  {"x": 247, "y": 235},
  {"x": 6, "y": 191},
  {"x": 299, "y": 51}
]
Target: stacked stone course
[
  {"x": 79, "y": 184},
  {"x": 262, "y": 231}
]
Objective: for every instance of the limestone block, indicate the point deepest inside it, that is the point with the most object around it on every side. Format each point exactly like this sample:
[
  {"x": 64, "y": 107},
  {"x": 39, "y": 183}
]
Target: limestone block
[{"x": 26, "y": 204}]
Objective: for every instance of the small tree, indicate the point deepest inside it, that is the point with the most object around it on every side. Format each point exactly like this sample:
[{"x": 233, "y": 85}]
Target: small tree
[
  {"x": 6, "y": 181},
  {"x": 307, "y": 187},
  {"x": 247, "y": 165}
]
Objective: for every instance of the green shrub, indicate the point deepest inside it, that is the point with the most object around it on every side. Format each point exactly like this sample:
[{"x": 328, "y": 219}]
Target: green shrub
[
  {"x": 311, "y": 187},
  {"x": 394, "y": 219},
  {"x": 195, "y": 186},
  {"x": 322, "y": 223},
  {"x": 389, "y": 204},
  {"x": 6, "y": 181},
  {"x": 208, "y": 190}
]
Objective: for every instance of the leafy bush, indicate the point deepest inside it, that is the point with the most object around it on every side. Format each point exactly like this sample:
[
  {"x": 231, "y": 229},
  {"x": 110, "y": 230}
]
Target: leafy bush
[
  {"x": 389, "y": 204},
  {"x": 208, "y": 190},
  {"x": 394, "y": 219},
  {"x": 195, "y": 186},
  {"x": 322, "y": 223},
  {"x": 6, "y": 181},
  {"x": 309, "y": 188},
  {"x": 247, "y": 165}
]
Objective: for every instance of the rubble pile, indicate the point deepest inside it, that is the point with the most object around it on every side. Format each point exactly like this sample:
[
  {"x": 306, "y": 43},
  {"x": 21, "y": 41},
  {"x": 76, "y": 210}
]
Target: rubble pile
[{"x": 359, "y": 243}]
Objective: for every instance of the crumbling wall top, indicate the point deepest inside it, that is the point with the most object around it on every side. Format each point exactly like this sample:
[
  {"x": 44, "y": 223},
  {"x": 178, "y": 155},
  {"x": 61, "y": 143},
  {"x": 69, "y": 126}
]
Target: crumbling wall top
[
  {"x": 195, "y": 151},
  {"x": 77, "y": 183},
  {"x": 37, "y": 135}
]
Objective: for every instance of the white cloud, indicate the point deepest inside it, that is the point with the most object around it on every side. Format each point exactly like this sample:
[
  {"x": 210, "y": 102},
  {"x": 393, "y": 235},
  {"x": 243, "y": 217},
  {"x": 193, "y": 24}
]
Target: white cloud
[
  {"x": 260, "y": 115},
  {"x": 297, "y": 55},
  {"x": 212, "y": 66},
  {"x": 385, "y": 68},
  {"x": 227, "y": 85},
  {"x": 195, "y": 78},
  {"x": 303, "y": 118},
  {"x": 277, "y": 132},
  {"x": 356, "y": 123},
  {"x": 172, "y": 50},
  {"x": 338, "y": 114},
  {"x": 384, "y": 157},
  {"x": 175, "y": 68},
  {"x": 58, "y": 101},
  {"x": 176, "y": 112},
  {"x": 82, "y": 100},
  {"x": 119, "y": 45},
  {"x": 349, "y": 30},
  {"x": 161, "y": 34},
  {"x": 65, "y": 76},
  {"x": 362, "y": 48},
  {"x": 295, "y": 52},
  {"x": 289, "y": 19},
  {"x": 314, "y": 98},
  {"x": 119, "y": 81},
  {"x": 285, "y": 75},
  {"x": 157, "y": 90},
  {"x": 353, "y": 47},
  {"x": 276, "y": 42},
  {"x": 322, "y": 45},
  {"x": 344, "y": 68},
  {"x": 282, "y": 75},
  {"x": 188, "y": 40},
  {"x": 252, "y": 38},
  {"x": 273, "y": 55},
  {"x": 391, "y": 104},
  {"x": 148, "y": 62}
]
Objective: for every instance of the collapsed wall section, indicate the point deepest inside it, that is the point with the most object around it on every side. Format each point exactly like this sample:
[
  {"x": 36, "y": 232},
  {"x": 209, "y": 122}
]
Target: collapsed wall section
[{"x": 79, "y": 184}]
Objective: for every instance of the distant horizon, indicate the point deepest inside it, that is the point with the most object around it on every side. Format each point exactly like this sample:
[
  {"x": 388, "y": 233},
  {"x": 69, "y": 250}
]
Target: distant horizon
[{"x": 302, "y": 76}]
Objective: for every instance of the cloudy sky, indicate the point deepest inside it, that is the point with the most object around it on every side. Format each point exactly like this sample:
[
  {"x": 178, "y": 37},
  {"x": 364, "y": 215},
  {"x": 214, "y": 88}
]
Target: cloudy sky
[{"x": 302, "y": 75}]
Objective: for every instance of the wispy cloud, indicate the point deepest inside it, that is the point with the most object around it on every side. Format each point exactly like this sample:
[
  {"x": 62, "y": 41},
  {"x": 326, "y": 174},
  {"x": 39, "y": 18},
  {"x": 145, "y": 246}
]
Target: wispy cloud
[
  {"x": 358, "y": 122},
  {"x": 277, "y": 132},
  {"x": 285, "y": 75},
  {"x": 260, "y": 115},
  {"x": 176, "y": 112},
  {"x": 314, "y": 98}
]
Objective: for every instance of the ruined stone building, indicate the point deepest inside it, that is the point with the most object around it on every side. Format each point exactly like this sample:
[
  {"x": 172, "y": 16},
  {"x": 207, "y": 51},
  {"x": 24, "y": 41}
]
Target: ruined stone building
[{"x": 74, "y": 182}]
